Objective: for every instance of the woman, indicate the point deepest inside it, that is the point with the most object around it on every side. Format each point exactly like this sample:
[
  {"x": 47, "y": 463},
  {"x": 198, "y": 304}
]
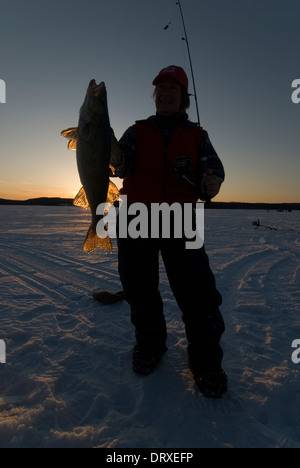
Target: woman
[{"x": 161, "y": 161}]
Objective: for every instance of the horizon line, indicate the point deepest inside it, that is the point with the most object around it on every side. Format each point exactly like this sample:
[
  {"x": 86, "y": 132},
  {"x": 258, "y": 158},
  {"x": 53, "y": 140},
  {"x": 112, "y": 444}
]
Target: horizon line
[{"x": 213, "y": 201}]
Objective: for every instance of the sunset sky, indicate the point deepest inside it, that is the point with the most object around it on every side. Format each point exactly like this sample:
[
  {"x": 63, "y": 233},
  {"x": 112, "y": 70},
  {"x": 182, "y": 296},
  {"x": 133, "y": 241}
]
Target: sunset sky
[{"x": 245, "y": 56}]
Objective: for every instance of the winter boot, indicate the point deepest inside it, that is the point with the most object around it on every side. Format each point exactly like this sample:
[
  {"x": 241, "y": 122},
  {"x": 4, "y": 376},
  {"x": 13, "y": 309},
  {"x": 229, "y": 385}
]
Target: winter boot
[
  {"x": 212, "y": 383},
  {"x": 145, "y": 363}
]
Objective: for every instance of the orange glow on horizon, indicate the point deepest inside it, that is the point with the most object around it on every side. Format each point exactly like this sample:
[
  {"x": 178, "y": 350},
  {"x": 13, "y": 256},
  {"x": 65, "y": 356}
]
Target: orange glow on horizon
[{"x": 229, "y": 193}]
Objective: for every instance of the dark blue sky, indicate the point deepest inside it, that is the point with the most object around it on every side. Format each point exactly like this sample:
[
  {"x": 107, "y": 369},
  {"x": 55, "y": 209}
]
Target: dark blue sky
[{"x": 245, "y": 57}]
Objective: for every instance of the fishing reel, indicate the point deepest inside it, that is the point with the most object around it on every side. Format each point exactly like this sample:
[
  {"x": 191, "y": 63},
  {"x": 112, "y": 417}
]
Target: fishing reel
[{"x": 182, "y": 167}]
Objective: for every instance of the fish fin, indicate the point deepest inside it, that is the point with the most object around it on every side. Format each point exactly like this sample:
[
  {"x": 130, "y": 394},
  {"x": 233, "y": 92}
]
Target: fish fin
[
  {"x": 92, "y": 241},
  {"x": 71, "y": 134},
  {"x": 112, "y": 169},
  {"x": 72, "y": 145},
  {"x": 81, "y": 199},
  {"x": 112, "y": 193}
]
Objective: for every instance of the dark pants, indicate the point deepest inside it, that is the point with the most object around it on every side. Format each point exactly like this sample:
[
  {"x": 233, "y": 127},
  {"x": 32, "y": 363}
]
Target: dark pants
[{"x": 193, "y": 285}]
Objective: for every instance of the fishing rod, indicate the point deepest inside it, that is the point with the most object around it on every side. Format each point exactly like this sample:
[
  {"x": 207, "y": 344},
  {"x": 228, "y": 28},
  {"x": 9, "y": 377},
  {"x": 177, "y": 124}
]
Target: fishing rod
[
  {"x": 258, "y": 224},
  {"x": 185, "y": 38}
]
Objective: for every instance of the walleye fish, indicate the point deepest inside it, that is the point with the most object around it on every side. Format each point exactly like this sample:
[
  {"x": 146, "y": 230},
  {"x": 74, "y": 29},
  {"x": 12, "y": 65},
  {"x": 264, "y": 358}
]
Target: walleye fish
[{"x": 94, "y": 141}]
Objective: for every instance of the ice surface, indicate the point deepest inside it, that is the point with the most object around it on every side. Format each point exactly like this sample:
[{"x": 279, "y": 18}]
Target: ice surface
[{"x": 68, "y": 382}]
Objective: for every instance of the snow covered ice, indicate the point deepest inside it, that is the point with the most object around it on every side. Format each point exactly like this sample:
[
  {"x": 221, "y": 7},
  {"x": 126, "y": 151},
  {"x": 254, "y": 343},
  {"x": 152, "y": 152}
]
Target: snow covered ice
[{"x": 68, "y": 382}]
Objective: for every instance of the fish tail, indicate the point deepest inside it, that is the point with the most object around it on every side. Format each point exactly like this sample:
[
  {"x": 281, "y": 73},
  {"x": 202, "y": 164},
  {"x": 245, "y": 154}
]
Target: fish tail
[{"x": 92, "y": 241}]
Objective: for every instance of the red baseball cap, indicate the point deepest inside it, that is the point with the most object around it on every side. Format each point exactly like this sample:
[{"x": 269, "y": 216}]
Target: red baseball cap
[{"x": 177, "y": 73}]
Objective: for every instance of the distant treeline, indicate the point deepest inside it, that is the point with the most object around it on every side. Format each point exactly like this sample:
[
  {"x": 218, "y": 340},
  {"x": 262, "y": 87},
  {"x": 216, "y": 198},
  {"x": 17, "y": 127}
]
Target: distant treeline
[
  {"x": 255, "y": 206},
  {"x": 44, "y": 201},
  {"x": 213, "y": 205}
]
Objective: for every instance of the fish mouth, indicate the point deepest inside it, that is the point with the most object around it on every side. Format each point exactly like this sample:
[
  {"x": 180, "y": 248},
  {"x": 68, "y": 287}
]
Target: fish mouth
[{"x": 96, "y": 90}]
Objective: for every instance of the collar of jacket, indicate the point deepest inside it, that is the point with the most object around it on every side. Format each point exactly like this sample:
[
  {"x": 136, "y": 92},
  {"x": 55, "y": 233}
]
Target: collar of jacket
[{"x": 170, "y": 121}]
